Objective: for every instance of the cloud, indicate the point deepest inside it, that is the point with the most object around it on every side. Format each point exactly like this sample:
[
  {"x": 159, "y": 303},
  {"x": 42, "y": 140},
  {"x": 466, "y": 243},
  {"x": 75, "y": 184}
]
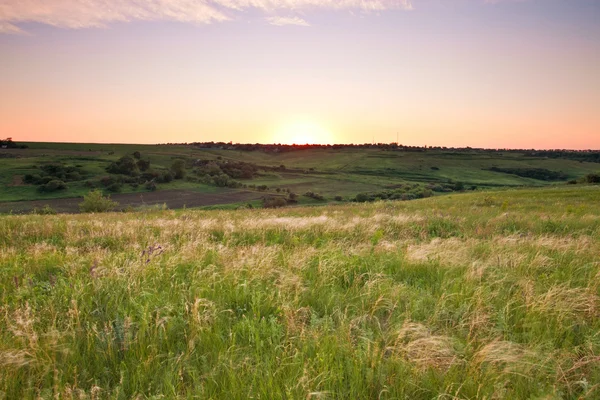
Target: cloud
[
  {"x": 100, "y": 13},
  {"x": 281, "y": 21}
]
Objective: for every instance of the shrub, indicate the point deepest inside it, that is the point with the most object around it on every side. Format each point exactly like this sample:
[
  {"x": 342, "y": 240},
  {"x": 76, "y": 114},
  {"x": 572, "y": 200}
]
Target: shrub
[
  {"x": 426, "y": 193},
  {"x": 32, "y": 178},
  {"x": 178, "y": 168},
  {"x": 46, "y": 210},
  {"x": 125, "y": 166},
  {"x": 143, "y": 165},
  {"x": 592, "y": 178},
  {"x": 94, "y": 201},
  {"x": 115, "y": 187},
  {"x": 362, "y": 197},
  {"x": 52, "y": 186},
  {"x": 315, "y": 196},
  {"x": 338, "y": 198},
  {"x": 165, "y": 177},
  {"x": 274, "y": 202}
]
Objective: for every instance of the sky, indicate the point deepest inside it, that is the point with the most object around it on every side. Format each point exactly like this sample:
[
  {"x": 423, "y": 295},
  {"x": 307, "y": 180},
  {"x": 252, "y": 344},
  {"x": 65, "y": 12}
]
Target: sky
[{"x": 479, "y": 73}]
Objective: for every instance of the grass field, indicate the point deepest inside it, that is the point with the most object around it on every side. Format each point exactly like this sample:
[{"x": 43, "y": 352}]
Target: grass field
[
  {"x": 329, "y": 172},
  {"x": 468, "y": 296}
]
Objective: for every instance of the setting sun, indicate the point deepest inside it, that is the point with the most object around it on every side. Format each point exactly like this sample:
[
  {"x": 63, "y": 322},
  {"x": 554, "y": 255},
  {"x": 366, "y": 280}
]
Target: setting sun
[{"x": 303, "y": 132}]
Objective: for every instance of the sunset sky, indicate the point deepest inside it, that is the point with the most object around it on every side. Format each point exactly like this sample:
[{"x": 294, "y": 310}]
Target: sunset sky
[{"x": 504, "y": 73}]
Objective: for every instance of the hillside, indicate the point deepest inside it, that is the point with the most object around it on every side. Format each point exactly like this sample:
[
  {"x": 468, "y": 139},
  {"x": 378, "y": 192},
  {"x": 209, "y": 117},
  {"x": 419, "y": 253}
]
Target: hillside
[
  {"x": 476, "y": 295},
  {"x": 196, "y": 176}
]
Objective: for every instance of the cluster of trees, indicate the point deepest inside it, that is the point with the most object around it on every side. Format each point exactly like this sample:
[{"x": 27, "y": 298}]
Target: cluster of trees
[
  {"x": 411, "y": 192},
  {"x": 577, "y": 155},
  {"x": 9, "y": 144},
  {"x": 224, "y": 173},
  {"x": 54, "y": 177},
  {"x": 589, "y": 178},
  {"x": 394, "y": 194},
  {"x": 280, "y": 201},
  {"x": 585, "y": 155},
  {"x": 133, "y": 170},
  {"x": 541, "y": 174},
  {"x": 233, "y": 169},
  {"x": 128, "y": 165}
]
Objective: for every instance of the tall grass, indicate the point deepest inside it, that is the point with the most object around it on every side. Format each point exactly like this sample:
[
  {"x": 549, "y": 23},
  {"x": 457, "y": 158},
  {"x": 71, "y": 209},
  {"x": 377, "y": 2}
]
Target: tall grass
[{"x": 458, "y": 297}]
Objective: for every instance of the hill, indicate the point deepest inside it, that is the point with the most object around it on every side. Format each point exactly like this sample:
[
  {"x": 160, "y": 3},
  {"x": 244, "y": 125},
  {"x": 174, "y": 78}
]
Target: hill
[
  {"x": 476, "y": 295},
  {"x": 199, "y": 175}
]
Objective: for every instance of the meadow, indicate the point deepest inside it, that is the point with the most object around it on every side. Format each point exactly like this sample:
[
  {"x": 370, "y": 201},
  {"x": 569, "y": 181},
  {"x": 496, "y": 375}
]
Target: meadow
[
  {"x": 482, "y": 295},
  {"x": 336, "y": 174}
]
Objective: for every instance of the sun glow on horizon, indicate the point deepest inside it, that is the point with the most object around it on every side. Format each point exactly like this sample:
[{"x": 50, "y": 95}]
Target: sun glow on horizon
[{"x": 303, "y": 132}]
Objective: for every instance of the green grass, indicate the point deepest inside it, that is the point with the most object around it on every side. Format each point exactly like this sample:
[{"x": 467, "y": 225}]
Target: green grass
[
  {"x": 344, "y": 172},
  {"x": 468, "y": 296}
]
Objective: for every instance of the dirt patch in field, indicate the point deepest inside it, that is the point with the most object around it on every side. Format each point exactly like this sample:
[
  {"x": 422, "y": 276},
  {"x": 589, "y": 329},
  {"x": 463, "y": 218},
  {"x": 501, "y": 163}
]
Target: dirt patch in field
[
  {"x": 17, "y": 180},
  {"x": 172, "y": 198}
]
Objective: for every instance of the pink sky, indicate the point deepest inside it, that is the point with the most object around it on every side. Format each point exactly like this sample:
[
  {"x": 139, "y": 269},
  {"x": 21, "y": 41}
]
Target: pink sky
[{"x": 520, "y": 74}]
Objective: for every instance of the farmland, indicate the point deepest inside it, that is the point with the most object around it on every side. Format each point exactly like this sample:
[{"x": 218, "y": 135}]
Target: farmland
[
  {"x": 491, "y": 294},
  {"x": 58, "y": 174}
]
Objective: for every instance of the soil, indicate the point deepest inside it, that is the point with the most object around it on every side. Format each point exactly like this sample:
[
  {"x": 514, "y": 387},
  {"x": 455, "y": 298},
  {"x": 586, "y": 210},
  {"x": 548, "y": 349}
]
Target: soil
[
  {"x": 172, "y": 198},
  {"x": 17, "y": 180}
]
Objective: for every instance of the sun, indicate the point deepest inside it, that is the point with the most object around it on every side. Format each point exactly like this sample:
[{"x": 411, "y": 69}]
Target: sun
[{"x": 303, "y": 132}]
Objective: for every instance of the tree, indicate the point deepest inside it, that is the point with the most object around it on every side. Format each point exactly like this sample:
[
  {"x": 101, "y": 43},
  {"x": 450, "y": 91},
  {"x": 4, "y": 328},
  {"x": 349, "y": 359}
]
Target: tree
[
  {"x": 143, "y": 165},
  {"x": 52, "y": 186},
  {"x": 178, "y": 168},
  {"x": 125, "y": 166}
]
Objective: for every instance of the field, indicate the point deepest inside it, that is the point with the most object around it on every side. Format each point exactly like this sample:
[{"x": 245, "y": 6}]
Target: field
[
  {"x": 482, "y": 295},
  {"x": 339, "y": 174}
]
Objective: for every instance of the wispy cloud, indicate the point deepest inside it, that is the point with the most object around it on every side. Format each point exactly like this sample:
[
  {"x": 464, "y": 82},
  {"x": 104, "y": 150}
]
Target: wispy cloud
[
  {"x": 281, "y": 21},
  {"x": 100, "y": 13}
]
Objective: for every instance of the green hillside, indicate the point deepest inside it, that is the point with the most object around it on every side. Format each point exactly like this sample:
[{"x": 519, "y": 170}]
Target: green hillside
[{"x": 342, "y": 174}]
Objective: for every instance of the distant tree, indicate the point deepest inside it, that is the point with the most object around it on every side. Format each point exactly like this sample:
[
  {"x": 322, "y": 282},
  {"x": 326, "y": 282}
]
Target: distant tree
[
  {"x": 125, "y": 166},
  {"x": 52, "y": 186},
  {"x": 592, "y": 178},
  {"x": 292, "y": 197},
  {"x": 143, "y": 165},
  {"x": 178, "y": 168}
]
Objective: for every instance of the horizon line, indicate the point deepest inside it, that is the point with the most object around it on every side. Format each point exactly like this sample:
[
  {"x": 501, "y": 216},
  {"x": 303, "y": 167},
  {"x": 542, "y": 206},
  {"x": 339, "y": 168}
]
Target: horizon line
[{"x": 230, "y": 143}]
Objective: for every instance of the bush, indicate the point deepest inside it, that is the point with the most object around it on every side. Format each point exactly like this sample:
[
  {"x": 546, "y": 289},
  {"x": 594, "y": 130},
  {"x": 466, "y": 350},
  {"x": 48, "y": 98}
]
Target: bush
[
  {"x": 115, "y": 187},
  {"x": 46, "y": 210},
  {"x": 165, "y": 177},
  {"x": 338, "y": 198},
  {"x": 592, "y": 178},
  {"x": 315, "y": 196},
  {"x": 362, "y": 197},
  {"x": 94, "y": 201},
  {"x": 143, "y": 165},
  {"x": 124, "y": 166},
  {"x": 274, "y": 202},
  {"x": 178, "y": 168},
  {"x": 32, "y": 178},
  {"x": 52, "y": 186}
]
